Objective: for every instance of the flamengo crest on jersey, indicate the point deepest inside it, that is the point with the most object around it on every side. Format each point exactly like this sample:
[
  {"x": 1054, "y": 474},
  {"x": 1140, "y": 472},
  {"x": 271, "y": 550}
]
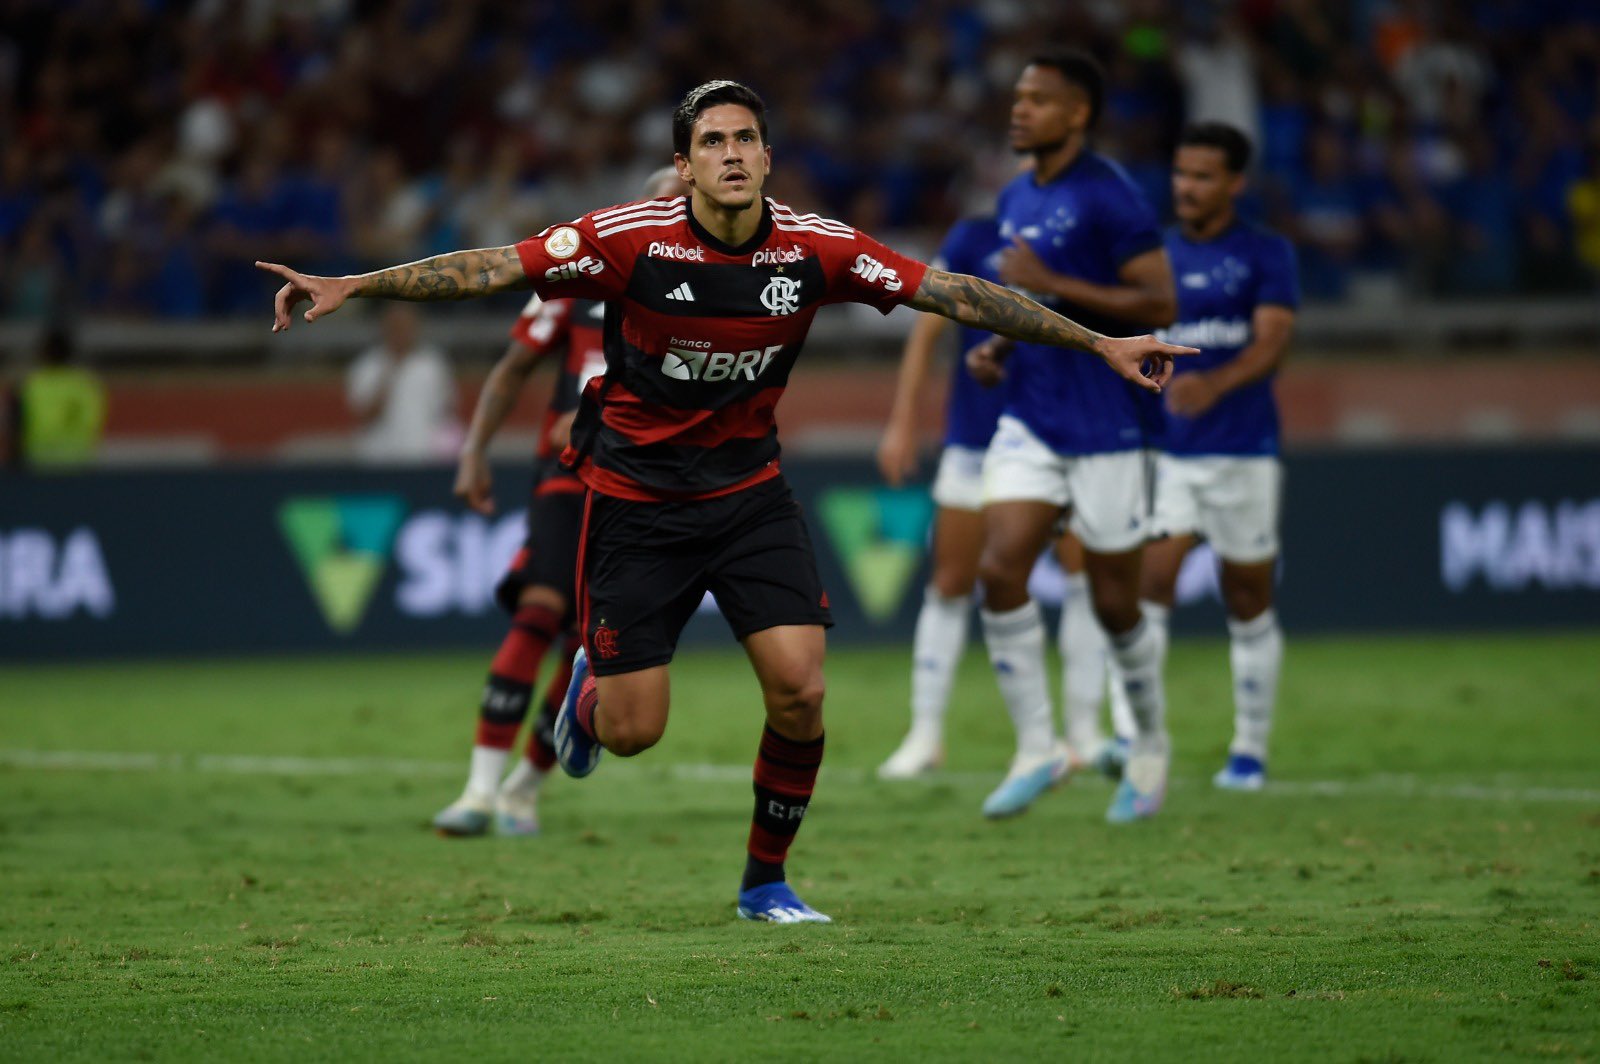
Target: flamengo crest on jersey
[{"x": 704, "y": 337}]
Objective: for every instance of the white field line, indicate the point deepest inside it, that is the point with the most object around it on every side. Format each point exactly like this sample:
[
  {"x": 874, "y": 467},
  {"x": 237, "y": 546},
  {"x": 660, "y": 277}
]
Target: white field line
[{"x": 1377, "y": 786}]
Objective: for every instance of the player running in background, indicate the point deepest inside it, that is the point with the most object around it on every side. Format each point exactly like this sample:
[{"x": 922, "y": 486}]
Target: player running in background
[
  {"x": 1072, "y": 438},
  {"x": 715, "y": 293},
  {"x": 537, "y": 589},
  {"x": 1219, "y": 478},
  {"x": 973, "y": 247}
]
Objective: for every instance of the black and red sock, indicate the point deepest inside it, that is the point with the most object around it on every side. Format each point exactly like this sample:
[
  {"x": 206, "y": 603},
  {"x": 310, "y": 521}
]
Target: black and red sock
[
  {"x": 541, "y": 740},
  {"x": 510, "y": 686},
  {"x": 786, "y": 773}
]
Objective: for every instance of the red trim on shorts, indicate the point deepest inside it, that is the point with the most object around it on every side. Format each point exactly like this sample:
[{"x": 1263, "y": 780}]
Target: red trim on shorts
[
  {"x": 566, "y": 485},
  {"x": 618, "y": 486},
  {"x": 583, "y": 575}
]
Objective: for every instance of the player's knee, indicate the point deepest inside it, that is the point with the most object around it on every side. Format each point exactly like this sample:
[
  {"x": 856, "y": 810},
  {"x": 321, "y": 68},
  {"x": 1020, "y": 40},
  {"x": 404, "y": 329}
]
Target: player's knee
[
  {"x": 794, "y": 704},
  {"x": 1245, "y": 603},
  {"x": 629, "y": 736},
  {"x": 1001, "y": 574},
  {"x": 1115, "y": 609}
]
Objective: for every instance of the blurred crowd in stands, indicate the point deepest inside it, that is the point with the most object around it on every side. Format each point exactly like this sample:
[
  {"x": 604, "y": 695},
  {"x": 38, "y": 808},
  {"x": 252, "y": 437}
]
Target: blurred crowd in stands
[{"x": 153, "y": 149}]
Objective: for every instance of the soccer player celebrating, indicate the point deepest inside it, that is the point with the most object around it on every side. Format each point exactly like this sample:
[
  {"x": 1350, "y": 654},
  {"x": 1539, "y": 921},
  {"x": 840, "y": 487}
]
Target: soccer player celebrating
[
  {"x": 1219, "y": 477},
  {"x": 713, "y": 295},
  {"x": 1072, "y": 437},
  {"x": 537, "y": 590},
  {"x": 973, "y": 247}
]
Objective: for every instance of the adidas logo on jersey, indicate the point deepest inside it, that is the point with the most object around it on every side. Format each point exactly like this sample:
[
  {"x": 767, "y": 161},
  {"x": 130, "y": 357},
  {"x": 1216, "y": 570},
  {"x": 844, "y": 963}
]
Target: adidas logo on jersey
[
  {"x": 682, "y": 293},
  {"x": 685, "y": 365}
]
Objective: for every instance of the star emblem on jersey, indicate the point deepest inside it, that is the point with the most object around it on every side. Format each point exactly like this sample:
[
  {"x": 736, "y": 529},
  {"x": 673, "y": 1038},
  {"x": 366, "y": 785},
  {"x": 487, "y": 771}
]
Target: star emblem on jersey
[
  {"x": 781, "y": 296},
  {"x": 683, "y": 293}
]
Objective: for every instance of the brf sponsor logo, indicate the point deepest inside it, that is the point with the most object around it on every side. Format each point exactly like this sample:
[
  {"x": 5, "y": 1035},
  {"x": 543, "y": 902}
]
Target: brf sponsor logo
[
  {"x": 702, "y": 365},
  {"x": 872, "y": 271},
  {"x": 53, "y": 578},
  {"x": 1518, "y": 546}
]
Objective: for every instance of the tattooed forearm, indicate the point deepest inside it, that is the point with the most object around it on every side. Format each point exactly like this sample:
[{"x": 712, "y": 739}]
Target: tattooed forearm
[
  {"x": 458, "y": 275},
  {"x": 979, "y": 303}
]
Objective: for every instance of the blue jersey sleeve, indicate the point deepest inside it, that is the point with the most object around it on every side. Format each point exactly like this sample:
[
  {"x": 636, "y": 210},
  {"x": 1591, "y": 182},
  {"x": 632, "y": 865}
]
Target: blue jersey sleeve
[
  {"x": 1128, "y": 223},
  {"x": 1279, "y": 272}
]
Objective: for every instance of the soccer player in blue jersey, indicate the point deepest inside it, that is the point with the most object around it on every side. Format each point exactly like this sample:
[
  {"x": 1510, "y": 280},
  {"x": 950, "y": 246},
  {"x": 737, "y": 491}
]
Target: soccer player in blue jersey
[
  {"x": 1218, "y": 477},
  {"x": 973, "y": 246},
  {"x": 1072, "y": 439}
]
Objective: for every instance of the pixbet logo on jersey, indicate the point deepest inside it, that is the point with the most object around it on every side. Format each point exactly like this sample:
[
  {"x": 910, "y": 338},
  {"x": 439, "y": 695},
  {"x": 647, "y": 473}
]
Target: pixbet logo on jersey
[
  {"x": 778, "y": 256},
  {"x": 678, "y": 252},
  {"x": 686, "y": 365},
  {"x": 570, "y": 271},
  {"x": 872, "y": 271}
]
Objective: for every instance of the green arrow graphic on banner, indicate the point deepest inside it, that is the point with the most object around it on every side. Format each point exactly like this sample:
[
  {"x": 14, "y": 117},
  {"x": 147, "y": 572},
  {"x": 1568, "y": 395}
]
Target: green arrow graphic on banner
[
  {"x": 878, "y": 534},
  {"x": 342, "y": 544}
]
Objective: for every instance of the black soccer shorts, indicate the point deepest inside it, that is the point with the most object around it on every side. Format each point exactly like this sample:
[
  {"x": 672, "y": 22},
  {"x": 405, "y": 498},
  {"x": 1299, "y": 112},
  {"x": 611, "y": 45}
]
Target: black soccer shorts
[
  {"x": 645, "y": 567},
  {"x": 549, "y": 555}
]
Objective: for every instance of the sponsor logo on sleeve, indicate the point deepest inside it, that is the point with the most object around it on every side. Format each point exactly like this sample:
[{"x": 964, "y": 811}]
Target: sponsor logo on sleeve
[
  {"x": 872, "y": 271},
  {"x": 563, "y": 243},
  {"x": 571, "y": 271}
]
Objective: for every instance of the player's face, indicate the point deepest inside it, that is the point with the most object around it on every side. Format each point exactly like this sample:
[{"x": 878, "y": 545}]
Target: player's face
[
  {"x": 727, "y": 163},
  {"x": 1202, "y": 184},
  {"x": 1046, "y": 109}
]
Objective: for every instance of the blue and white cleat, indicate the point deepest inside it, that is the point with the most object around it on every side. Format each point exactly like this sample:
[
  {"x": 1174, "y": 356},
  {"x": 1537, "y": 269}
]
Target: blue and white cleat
[
  {"x": 576, "y": 752},
  {"x": 1142, "y": 790},
  {"x": 776, "y": 903},
  {"x": 1111, "y": 759},
  {"x": 516, "y": 814},
  {"x": 464, "y": 818},
  {"x": 1026, "y": 781},
  {"x": 1242, "y": 773}
]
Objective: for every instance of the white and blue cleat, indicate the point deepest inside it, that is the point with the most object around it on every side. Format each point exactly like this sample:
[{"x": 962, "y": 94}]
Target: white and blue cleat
[
  {"x": 1111, "y": 759},
  {"x": 1241, "y": 773},
  {"x": 466, "y": 817},
  {"x": 516, "y": 815},
  {"x": 1026, "y": 781},
  {"x": 575, "y": 752},
  {"x": 776, "y": 903},
  {"x": 1142, "y": 790}
]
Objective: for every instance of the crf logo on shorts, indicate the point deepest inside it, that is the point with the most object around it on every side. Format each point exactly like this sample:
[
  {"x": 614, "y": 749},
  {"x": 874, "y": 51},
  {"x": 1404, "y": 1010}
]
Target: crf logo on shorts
[{"x": 685, "y": 365}]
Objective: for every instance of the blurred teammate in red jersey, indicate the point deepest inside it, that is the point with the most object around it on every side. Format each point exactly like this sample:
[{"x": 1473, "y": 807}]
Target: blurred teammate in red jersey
[
  {"x": 537, "y": 589},
  {"x": 677, "y": 442}
]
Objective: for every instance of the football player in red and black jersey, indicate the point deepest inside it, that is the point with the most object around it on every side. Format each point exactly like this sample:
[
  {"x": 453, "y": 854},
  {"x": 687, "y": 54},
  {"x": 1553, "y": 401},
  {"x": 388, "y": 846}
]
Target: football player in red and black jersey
[
  {"x": 537, "y": 590},
  {"x": 713, "y": 295}
]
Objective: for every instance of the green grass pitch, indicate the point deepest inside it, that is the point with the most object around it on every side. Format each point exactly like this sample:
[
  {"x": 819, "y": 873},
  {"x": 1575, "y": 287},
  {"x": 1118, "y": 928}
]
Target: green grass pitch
[{"x": 250, "y": 877}]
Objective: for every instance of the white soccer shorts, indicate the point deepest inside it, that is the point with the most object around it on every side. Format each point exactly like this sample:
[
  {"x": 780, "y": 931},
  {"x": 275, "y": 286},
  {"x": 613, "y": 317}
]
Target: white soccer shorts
[
  {"x": 1106, "y": 493},
  {"x": 1230, "y": 502},
  {"x": 959, "y": 483}
]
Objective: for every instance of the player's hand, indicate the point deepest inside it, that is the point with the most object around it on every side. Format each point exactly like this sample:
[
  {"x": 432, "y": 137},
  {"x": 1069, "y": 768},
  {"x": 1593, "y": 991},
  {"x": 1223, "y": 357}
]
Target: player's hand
[
  {"x": 1144, "y": 360},
  {"x": 473, "y": 482},
  {"x": 561, "y": 430},
  {"x": 897, "y": 454},
  {"x": 327, "y": 294},
  {"x": 1021, "y": 267},
  {"x": 987, "y": 362},
  {"x": 1192, "y": 395}
]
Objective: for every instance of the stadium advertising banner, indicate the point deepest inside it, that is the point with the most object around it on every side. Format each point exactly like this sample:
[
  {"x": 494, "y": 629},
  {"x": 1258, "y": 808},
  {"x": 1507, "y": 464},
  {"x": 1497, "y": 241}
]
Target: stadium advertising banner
[{"x": 239, "y": 561}]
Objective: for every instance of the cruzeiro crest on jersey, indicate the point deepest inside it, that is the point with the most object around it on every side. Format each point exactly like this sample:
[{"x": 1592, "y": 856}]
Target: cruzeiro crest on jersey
[{"x": 781, "y": 296}]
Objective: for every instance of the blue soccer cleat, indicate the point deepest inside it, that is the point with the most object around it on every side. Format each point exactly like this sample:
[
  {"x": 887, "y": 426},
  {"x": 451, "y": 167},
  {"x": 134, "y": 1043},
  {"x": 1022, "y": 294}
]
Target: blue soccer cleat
[
  {"x": 1142, "y": 790},
  {"x": 1026, "y": 781},
  {"x": 576, "y": 752},
  {"x": 776, "y": 903},
  {"x": 1111, "y": 759},
  {"x": 1242, "y": 773}
]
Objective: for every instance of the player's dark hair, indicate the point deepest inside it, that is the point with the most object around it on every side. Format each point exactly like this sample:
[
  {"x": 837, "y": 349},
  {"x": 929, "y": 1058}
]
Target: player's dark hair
[
  {"x": 711, "y": 94},
  {"x": 1229, "y": 140},
  {"x": 1080, "y": 69}
]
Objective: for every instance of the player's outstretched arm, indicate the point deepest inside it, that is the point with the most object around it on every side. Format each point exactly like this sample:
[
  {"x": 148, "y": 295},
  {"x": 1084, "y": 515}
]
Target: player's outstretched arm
[
  {"x": 973, "y": 301},
  {"x": 457, "y": 275}
]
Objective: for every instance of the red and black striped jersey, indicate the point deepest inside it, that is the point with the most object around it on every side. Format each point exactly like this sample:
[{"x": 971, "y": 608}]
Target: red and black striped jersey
[
  {"x": 701, "y": 336},
  {"x": 574, "y": 327}
]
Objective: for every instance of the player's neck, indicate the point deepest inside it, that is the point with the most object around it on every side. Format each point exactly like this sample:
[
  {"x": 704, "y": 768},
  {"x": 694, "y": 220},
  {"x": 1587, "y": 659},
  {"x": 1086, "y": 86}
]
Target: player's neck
[
  {"x": 1050, "y": 163},
  {"x": 732, "y": 226},
  {"x": 1209, "y": 228}
]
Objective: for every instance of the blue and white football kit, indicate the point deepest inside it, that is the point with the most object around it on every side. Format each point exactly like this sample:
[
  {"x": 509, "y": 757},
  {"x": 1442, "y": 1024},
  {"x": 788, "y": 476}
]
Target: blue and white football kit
[{"x": 1218, "y": 475}]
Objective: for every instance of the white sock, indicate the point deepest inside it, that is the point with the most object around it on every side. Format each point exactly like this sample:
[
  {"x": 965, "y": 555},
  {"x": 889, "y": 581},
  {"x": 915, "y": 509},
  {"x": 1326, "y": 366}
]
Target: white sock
[
  {"x": 525, "y": 777},
  {"x": 488, "y": 764},
  {"x": 1256, "y": 651},
  {"x": 1083, "y": 659},
  {"x": 936, "y": 650},
  {"x": 1016, "y": 650},
  {"x": 1121, "y": 709},
  {"x": 1139, "y": 655}
]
